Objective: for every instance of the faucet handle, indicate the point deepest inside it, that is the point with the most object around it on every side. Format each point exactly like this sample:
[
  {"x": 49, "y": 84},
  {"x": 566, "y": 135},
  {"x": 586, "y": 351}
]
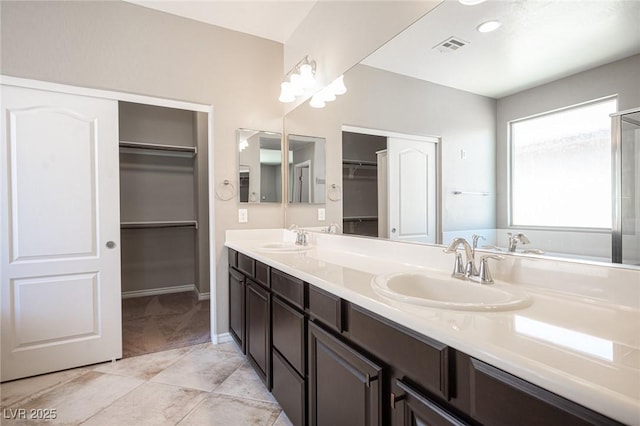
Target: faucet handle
[
  {"x": 475, "y": 238},
  {"x": 484, "y": 275},
  {"x": 458, "y": 267}
]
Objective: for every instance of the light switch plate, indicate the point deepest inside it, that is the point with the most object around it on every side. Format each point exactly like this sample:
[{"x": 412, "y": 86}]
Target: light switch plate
[
  {"x": 243, "y": 216},
  {"x": 321, "y": 214}
]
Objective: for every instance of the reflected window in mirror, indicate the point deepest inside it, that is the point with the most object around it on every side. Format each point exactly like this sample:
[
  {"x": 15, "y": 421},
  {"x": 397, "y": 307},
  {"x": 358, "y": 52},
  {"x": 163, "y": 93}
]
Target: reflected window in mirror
[
  {"x": 561, "y": 167},
  {"x": 259, "y": 166},
  {"x": 306, "y": 162}
]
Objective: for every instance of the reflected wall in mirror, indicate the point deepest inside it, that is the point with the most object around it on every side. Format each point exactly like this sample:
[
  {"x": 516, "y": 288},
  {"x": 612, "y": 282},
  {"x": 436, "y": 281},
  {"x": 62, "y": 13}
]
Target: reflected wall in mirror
[
  {"x": 306, "y": 160},
  {"x": 400, "y": 90},
  {"x": 259, "y": 166}
]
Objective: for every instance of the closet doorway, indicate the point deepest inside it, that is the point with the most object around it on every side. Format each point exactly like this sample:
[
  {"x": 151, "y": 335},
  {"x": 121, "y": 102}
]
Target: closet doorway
[
  {"x": 390, "y": 184},
  {"x": 163, "y": 212}
]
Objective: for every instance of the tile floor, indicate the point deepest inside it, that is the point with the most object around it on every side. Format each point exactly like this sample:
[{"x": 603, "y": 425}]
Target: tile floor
[{"x": 204, "y": 384}]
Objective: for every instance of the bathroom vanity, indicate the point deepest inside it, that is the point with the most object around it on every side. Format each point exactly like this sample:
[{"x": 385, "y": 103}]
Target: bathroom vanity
[{"x": 332, "y": 350}]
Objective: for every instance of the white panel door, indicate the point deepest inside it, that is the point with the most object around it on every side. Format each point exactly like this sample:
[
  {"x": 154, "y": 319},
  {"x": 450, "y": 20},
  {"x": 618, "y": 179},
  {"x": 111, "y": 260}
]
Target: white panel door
[
  {"x": 412, "y": 190},
  {"x": 60, "y": 249}
]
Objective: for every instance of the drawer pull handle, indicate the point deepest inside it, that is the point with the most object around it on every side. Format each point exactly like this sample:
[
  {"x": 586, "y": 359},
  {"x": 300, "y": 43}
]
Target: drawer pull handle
[
  {"x": 369, "y": 379},
  {"x": 395, "y": 399}
]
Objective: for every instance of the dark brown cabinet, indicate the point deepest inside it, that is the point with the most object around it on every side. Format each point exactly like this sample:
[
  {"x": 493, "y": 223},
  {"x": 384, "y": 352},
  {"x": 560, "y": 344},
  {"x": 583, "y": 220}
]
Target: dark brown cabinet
[
  {"x": 410, "y": 408},
  {"x": 344, "y": 385},
  {"x": 258, "y": 329},
  {"x": 236, "y": 307},
  {"x": 499, "y": 398},
  {"x": 330, "y": 362}
]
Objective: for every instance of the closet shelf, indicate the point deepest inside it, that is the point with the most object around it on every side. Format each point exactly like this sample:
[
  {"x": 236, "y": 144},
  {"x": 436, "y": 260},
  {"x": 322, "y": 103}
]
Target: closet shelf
[
  {"x": 359, "y": 163},
  {"x": 157, "y": 149},
  {"x": 160, "y": 224},
  {"x": 359, "y": 218}
]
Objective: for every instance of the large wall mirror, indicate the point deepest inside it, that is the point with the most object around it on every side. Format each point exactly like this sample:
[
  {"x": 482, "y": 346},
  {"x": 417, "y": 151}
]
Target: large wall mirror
[
  {"x": 306, "y": 160},
  {"x": 259, "y": 166},
  {"x": 468, "y": 91}
]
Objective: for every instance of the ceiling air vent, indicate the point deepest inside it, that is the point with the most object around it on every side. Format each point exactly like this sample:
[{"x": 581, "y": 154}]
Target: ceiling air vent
[{"x": 450, "y": 45}]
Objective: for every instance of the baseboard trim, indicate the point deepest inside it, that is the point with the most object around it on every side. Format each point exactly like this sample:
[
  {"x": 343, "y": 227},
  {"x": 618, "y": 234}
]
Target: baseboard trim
[
  {"x": 218, "y": 339},
  {"x": 203, "y": 296},
  {"x": 161, "y": 290}
]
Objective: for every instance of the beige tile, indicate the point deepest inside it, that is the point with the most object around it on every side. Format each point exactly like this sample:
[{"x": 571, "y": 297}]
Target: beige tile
[
  {"x": 80, "y": 398},
  {"x": 245, "y": 383},
  {"x": 203, "y": 368},
  {"x": 18, "y": 390},
  {"x": 227, "y": 347},
  {"x": 225, "y": 410},
  {"x": 283, "y": 420},
  {"x": 144, "y": 366},
  {"x": 149, "y": 404}
]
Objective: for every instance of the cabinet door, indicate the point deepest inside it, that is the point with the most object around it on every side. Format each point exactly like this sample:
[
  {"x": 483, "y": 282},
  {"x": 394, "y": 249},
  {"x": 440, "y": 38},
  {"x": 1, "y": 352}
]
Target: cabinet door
[
  {"x": 498, "y": 398},
  {"x": 236, "y": 307},
  {"x": 412, "y": 408},
  {"x": 344, "y": 386},
  {"x": 258, "y": 311},
  {"x": 60, "y": 232},
  {"x": 289, "y": 389}
]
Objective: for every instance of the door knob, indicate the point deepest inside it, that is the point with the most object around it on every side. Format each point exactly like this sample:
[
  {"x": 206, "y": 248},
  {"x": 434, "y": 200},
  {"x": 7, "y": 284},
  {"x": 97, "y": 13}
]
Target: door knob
[
  {"x": 110, "y": 244},
  {"x": 393, "y": 230}
]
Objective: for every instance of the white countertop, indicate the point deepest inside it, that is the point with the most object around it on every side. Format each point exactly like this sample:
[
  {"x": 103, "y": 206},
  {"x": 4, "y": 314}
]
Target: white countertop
[{"x": 580, "y": 338}]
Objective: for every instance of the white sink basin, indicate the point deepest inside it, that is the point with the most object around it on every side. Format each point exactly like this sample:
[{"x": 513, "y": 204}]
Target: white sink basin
[
  {"x": 423, "y": 289},
  {"x": 283, "y": 247}
]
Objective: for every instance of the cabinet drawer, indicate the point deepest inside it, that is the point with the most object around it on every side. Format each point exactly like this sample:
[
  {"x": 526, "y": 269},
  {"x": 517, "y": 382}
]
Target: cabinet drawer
[
  {"x": 412, "y": 407},
  {"x": 422, "y": 360},
  {"x": 289, "y": 336},
  {"x": 288, "y": 287},
  {"x": 262, "y": 274},
  {"x": 246, "y": 265},
  {"x": 289, "y": 390},
  {"x": 326, "y": 307},
  {"x": 233, "y": 258},
  {"x": 498, "y": 398}
]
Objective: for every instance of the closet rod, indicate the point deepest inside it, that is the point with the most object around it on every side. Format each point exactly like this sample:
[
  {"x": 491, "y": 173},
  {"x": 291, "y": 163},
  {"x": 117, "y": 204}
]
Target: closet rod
[
  {"x": 159, "y": 147},
  {"x": 160, "y": 224}
]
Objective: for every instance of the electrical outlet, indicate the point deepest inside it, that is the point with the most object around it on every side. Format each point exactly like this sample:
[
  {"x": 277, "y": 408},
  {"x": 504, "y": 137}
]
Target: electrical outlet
[
  {"x": 463, "y": 154},
  {"x": 243, "y": 216},
  {"x": 321, "y": 214}
]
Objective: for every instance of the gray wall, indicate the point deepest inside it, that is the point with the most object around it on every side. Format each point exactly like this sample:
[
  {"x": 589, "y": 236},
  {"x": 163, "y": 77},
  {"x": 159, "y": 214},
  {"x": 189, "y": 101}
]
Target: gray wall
[
  {"x": 382, "y": 100},
  {"x": 617, "y": 78},
  {"x": 119, "y": 46}
]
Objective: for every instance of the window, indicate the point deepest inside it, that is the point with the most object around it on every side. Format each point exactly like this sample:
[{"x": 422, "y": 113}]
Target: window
[{"x": 561, "y": 167}]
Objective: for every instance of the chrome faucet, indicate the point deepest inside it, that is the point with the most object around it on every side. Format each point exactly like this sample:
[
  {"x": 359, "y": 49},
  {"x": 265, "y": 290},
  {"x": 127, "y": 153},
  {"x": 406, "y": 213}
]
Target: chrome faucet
[
  {"x": 462, "y": 270},
  {"x": 468, "y": 270},
  {"x": 302, "y": 239},
  {"x": 333, "y": 228},
  {"x": 515, "y": 239}
]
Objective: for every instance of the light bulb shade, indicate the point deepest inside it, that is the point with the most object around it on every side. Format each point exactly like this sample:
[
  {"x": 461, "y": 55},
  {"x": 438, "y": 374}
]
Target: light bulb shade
[
  {"x": 338, "y": 86},
  {"x": 317, "y": 101},
  {"x": 296, "y": 84},
  {"x": 327, "y": 94},
  {"x": 286, "y": 93},
  {"x": 307, "y": 80}
]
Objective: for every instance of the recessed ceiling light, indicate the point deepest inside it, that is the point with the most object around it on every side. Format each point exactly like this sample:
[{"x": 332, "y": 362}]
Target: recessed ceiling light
[
  {"x": 471, "y": 2},
  {"x": 487, "y": 27}
]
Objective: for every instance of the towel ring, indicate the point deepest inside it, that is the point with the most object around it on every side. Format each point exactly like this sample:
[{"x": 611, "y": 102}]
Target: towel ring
[
  {"x": 225, "y": 190},
  {"x": 335, "y": 192}
]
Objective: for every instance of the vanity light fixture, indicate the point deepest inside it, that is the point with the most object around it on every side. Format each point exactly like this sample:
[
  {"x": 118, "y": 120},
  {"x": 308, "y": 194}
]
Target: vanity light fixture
[
  {"x": 487, "y": 27},
  {"x": 329, "y": 93},
  {"x": 298, "y": 80},
  {"x": 471, "y": 2}
]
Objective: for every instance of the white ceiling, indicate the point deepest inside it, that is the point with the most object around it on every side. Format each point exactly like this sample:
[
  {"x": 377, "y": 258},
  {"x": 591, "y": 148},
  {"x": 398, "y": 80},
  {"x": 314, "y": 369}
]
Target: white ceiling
[
  {"x": 539, "y": 41},
  {"x": 273, "y": 20}
]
